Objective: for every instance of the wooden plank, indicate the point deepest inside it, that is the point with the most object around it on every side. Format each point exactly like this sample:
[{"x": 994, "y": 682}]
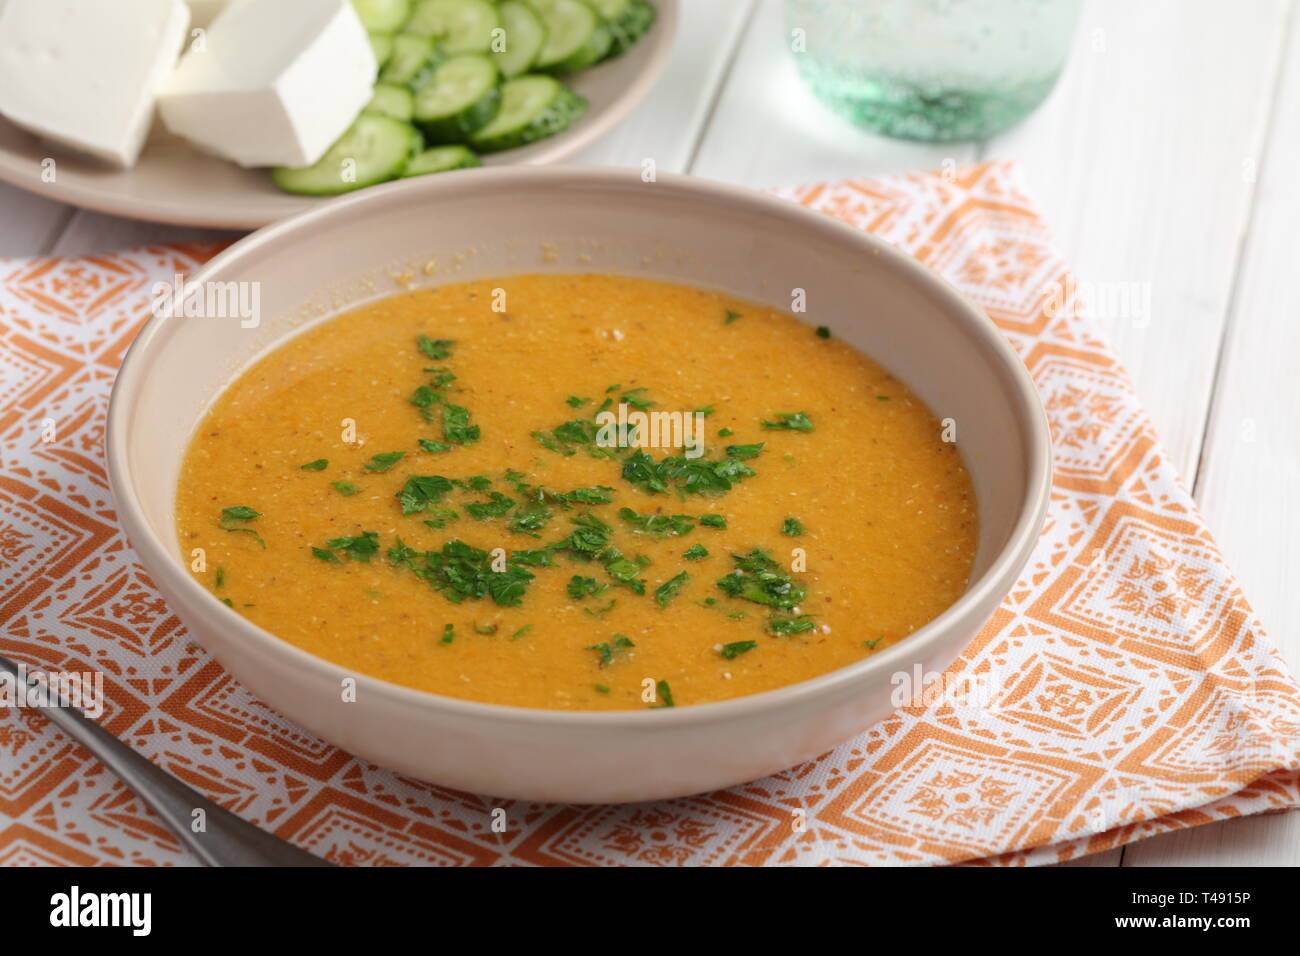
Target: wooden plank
[
  {"x": 1142, "y": 161},
  {"x": 767, "y": 130},
  {"x": 89, "y": 233},
  {"x": 667, "y": 125},
  {"x": 1250, "y": 471},
  {"x": 29, "y": 224}
]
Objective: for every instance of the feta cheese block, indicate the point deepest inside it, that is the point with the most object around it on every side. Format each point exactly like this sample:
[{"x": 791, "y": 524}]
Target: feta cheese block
[
  {"x": 273, "y": 83},
  {"x": 85, "y": 73},
  {"x": 203, "y": 12}
]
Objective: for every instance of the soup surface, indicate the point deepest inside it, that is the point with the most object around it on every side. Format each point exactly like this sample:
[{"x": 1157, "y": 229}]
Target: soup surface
[{"x": 428, "y": 490}]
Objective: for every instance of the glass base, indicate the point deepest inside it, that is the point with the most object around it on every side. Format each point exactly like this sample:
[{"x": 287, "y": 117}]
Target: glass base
[{"x": 932, "y": 113}]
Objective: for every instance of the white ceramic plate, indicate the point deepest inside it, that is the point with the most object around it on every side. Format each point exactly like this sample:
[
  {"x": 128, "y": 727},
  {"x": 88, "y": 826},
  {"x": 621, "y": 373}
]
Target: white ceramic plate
[{"x": 175, "y": 183}]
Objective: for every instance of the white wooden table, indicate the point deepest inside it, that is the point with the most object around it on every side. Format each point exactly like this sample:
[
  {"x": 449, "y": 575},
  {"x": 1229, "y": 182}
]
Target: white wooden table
[{"x": 1164, "y": 157}]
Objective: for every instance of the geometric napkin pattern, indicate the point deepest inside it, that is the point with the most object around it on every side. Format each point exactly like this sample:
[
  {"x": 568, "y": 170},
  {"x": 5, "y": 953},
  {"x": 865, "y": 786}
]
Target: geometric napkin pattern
[{"x": 1130, "y": 689}]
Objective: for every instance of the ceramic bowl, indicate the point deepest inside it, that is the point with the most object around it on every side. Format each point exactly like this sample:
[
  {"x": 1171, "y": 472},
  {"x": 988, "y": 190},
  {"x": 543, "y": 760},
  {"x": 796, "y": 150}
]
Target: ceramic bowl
[{"x": 491, "y": 222}]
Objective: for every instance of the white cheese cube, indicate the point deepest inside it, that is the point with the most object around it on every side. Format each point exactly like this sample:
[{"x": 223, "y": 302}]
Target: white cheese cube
[
  {"x": 273, "y": 83},
  {"x": 203, "y": 12},
  {"x": 85, "y": 73}
]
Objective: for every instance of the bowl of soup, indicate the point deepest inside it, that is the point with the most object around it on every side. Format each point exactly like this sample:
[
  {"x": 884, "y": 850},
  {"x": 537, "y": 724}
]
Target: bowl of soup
[{"x": 557, "y": 484}]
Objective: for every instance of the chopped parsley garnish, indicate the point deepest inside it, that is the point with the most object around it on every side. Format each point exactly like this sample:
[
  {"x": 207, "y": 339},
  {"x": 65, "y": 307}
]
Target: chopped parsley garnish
[
  {"x": 736, "y": 648},
  {"x": 823, "y": 332},
  {"x": 575, "y": 402},
  {"x": 462, "y": 572},
  {"x": 610, "y": 649},
  {"x": 745, "y": 451},
  {"x": 659, "y": 526},
  {"x": 580, "y": 587},
  {"x": 600, "y": 688},
  {"x": 872, "y": 644},
  {"x": 664, "y": 693},
  {"x": 345, "y": 488},
  {"x": 237, "y": 518},
  {"x": 320, "y": 464},
  {"x": 434, "y": 447},
  {"x": 325, "y": 555},
  {"x": 448, "y": 634},
  {"x": 695, "y": 552},
  {"x": 624, "y": 571},
  {"x": 421, "y": 491},
  {"x": 496, "y": 505},
  {"x": 788, "y": 626},
  {"x": 713, "y": 521},
  {"x": 422, "y": 398},
  {"x": 361, "y": 547},
  {"x": 668, "y": 590},
  {"x": 759, "y": 579},
  {"x": 882, "y": 398},
  {"x": 490, "y": 629},
  {"x": 436, "y": 349},
  {"x": 440, "y": 517},
  {"x": 792, "y": 527},
  {"x": 521, "y": 632},
  {"x": 599, "y": 612},
  {"x": 725, "y": 432},
  {"x": 633, "y": 397},
  {"x": 791, "y": 421},
  {"x": 696, "y": 476},
  {"x": 227, "y": 602},
  {"x": 456, "y": 427},
  {"x": 599, "y": 495},
  {"x": 221, "y": 577},
  {"x": 731, "y": 316},
  {"x": 384, "y": 461}
]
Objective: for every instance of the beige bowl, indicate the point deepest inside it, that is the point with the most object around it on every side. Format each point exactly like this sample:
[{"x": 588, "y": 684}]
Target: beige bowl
[{"x": 482, "y": 223}]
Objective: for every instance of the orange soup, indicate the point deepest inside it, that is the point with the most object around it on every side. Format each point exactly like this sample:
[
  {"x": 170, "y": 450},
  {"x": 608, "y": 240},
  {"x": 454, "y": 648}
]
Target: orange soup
[{"x": 576, "y": 491}]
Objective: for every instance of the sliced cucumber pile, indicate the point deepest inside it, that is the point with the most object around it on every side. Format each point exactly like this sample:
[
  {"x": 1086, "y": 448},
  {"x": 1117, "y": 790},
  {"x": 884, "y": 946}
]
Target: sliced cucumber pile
[
  {"x": 466, "y": 77},
  {"x": 533, "y": 107},
  {"x": 525, "y": 35},
  {"x": 577, "y": 36},
  {"x": 383, "y": 16},
  {"x": 461, "y": 96},
  {"x": 462, "y": 26},
  {"x": 392, "y": 100},
  {"x": 441, "y": 159},
  {"x": 375, "y": 149},
  {"x": 627, "y": 19}
]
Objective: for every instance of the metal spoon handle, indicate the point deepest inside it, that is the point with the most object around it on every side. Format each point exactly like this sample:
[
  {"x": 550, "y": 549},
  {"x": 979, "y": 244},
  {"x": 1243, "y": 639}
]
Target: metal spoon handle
[{"x": 225, "y": 839}]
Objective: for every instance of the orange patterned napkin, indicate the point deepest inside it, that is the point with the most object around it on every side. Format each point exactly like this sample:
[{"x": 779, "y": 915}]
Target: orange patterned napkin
[{"x": 1132, "y": 690}]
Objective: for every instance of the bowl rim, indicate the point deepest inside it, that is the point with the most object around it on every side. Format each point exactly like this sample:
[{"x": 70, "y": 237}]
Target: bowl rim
[{"x": 994, "y": 583}]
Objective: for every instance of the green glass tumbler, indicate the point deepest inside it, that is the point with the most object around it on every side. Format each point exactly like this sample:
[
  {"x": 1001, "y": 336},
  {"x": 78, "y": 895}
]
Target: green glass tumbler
[{"x": 933, "y": 70}]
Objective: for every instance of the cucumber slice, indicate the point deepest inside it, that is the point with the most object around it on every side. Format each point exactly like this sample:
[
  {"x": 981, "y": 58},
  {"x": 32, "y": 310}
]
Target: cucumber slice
[
  {"x": 533, "y": 107},
  {"x": 577, "y": 37},
  {"x": 463, "y": 95},
  {"x": 463, "y": 26},
  {"x": 381, "y": 45},
  {"x": 525, "y": 35},
  {"x": 628, "y": 20},
  {"x": 410, "y": 53},
  {"x": 374, "y": 149},
  {"x": 441, "y": 159},
  {"x": 382, "y": 16},
  {"x": 392, "y": 100}
]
